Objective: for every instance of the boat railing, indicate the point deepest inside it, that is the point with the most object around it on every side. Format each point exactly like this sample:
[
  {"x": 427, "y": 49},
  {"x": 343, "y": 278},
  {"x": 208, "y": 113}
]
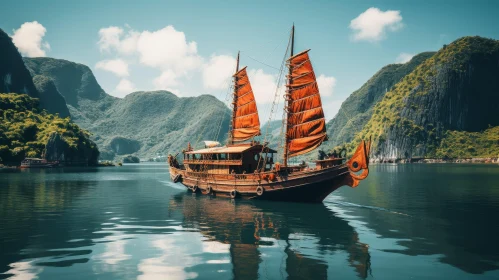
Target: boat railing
[
  {"x": 214, "y": 162},
  {"x": 242, "y": 176}
]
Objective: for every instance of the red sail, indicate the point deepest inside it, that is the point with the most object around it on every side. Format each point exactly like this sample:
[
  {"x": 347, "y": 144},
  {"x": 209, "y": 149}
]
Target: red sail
[
  {"x": 245, "y": 123},
  {"x": 306, "y": 124}
]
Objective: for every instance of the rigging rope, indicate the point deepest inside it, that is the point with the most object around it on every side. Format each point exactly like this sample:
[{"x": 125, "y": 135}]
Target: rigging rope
[
  {"x": 261, "y": 62},
  {"x": 275, "y": 104}
]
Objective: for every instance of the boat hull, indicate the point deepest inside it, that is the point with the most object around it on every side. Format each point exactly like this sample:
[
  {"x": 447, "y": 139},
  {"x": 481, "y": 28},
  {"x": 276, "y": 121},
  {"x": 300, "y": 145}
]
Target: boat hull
[{"x": 311, "y": 186}]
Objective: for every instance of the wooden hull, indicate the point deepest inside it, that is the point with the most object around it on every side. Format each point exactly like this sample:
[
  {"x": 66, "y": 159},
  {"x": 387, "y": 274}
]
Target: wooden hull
[{"x": 311, "y": 186}]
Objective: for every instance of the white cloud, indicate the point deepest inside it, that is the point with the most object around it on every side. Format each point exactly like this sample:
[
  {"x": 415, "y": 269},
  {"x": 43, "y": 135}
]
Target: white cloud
[
  {"x": 373, "y": 24},
  {"x": 218, "y": 70},
  {"x": 404, "y": 57},
  {"x": 114, "y": 38},
  {"x": 167, "y": 79},
  {"x": 263, "y": 85},
  {"x": 168, "y": 49},
  {"x": 29, "y": 39},
  {"x": 124, "y": 87},
  {"x": 129, "y": 43},
  {"x": 116, "y": 66},
  {"x": 109, "y": 38},
  {"x": 326, "y": 85}
]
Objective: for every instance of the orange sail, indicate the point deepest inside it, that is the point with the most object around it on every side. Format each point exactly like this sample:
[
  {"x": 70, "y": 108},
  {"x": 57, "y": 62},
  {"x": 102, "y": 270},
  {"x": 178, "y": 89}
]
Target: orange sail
[
  {"x": 245, "y": 122},
  {"x": 306, "y": 128}
]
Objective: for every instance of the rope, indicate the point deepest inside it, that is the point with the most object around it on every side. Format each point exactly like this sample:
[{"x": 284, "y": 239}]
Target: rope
[
  {"x": 275, "y": 104},
  {"x": 261, "y": 62}
]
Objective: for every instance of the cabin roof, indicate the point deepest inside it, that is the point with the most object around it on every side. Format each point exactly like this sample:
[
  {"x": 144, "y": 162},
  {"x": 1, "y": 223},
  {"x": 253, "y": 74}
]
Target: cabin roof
[{"x": 236, "y": 149}]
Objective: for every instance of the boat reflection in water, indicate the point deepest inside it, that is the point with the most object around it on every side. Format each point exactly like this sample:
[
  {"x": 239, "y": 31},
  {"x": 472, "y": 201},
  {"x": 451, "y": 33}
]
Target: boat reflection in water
[{"x": 306, "y": 235}]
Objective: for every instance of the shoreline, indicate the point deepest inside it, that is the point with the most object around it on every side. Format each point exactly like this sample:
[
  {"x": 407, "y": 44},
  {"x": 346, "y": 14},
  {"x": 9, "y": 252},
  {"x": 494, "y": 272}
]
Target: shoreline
[{"x": 488, "y": 160}]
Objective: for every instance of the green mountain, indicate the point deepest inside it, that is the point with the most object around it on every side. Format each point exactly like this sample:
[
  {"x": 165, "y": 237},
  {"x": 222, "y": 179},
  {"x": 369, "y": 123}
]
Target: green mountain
[
  {"x": 143, "y": 123},
  {"x": 159, "y": 122},
  {"x": 84, "y": 97},
  {"x": 51, "y": 99},
  {"x": 14, "y": 77},
  {"x": 27, "y": 131},
  {"x": 447, "y": 107},
  {"x": 357, "y": 109}
]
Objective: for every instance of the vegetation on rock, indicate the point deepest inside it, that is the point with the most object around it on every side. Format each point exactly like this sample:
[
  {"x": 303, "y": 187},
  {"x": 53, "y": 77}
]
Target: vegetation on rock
[
  {"x": 25, "y": 131},
  {"x": 463, "y": 144}
]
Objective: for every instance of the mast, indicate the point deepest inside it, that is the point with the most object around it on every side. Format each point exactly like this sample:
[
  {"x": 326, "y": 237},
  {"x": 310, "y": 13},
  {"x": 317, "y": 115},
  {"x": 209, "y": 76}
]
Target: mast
[
  {"x": 305, "y": 122},
  {"x": 288, "y": 99},
  {"x": 234, "y": 102}
]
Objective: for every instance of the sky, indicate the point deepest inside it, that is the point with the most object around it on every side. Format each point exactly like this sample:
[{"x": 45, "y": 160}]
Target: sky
[{"x": 189, "y": 47}]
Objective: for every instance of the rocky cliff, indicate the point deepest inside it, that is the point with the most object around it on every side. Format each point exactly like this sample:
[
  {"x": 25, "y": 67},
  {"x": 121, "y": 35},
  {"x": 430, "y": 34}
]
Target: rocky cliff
[
  {"x": 73, "y": 80},
  {"x": 80, "y": 153},
  {"x": 357, "y": 109},
  {"x": 447, "y": 101},
  {"x": 85, "y": 99},
  {"x": 15, "y": 78},
  {"x": 52, "y": 100}
]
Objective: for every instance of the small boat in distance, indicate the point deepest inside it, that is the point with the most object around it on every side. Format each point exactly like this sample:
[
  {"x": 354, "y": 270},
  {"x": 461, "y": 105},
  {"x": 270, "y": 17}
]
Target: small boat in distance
[
  {"x": 249, "y": 170},
  {"x": 38, "y": 163}
]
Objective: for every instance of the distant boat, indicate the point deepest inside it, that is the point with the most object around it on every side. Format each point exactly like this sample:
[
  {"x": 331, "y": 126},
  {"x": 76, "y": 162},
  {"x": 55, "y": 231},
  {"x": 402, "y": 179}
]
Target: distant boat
[
  {"x": 248, "y": 170},
  {"x": 38, "y": 163}
]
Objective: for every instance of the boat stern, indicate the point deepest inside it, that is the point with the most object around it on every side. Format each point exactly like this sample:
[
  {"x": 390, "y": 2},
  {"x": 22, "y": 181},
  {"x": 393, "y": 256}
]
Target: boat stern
[{"x": 359, "y": 162}]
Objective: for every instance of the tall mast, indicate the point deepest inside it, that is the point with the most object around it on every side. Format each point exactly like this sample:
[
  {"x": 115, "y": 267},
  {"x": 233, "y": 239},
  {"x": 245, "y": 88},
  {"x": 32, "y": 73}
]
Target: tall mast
[
  {"x": 234, "y": 102},
  {"x": 288, "y": 99}
]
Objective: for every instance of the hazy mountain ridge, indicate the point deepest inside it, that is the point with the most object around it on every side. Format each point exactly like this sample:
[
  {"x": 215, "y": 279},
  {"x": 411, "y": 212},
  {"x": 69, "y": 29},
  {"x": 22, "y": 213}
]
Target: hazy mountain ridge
[
  {"x": 162, "y": 122},
  {"x": 85, "y": 98},
  {"x": 142, "y": 123}
]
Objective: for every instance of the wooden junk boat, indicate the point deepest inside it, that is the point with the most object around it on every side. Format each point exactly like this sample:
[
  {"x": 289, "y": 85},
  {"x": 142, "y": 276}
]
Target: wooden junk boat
[{"x": 248, "y": 170}]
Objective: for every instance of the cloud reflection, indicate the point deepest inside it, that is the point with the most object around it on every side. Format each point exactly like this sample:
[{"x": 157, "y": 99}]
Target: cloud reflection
[{"x": 23, "y": 271}]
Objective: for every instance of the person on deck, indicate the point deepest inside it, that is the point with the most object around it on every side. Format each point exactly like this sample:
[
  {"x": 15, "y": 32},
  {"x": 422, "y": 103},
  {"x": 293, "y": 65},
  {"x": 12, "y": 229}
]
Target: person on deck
[{"x": 335, "y": 154}]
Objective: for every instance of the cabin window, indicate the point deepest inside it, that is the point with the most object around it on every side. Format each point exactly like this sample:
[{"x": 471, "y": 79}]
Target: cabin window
[
  {"x": 223, "y": 156},
  {"x": 236, "y": 156}
]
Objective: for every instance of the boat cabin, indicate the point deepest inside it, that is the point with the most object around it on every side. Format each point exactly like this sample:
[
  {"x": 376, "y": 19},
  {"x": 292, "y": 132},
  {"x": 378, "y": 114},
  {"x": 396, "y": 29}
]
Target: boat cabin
[{"x": 233, "y": 159}]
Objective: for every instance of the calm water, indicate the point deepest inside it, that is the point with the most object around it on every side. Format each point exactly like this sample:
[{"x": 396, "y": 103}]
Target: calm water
[{"x": 131, "y": 222}]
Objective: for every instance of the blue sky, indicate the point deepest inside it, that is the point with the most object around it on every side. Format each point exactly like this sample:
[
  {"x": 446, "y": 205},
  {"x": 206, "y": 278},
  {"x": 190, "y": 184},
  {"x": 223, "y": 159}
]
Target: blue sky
[{"x": 206, "y": 36}]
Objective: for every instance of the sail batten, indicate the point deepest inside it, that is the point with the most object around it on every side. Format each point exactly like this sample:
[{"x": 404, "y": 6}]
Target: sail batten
[
  {"x": 245, "y": 121},
  {"x": 306, "y": 125}
]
